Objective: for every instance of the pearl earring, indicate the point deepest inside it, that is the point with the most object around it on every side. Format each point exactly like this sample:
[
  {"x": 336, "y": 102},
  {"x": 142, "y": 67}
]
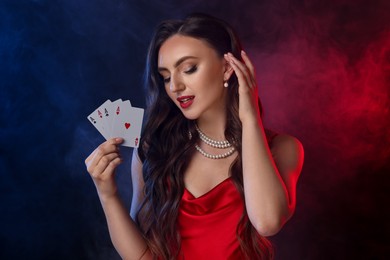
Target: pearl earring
[{"x": 226, "y": 84}]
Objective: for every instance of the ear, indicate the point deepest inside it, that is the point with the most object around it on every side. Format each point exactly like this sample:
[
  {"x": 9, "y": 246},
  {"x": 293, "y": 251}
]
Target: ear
[{"x": 228, "y": 71}]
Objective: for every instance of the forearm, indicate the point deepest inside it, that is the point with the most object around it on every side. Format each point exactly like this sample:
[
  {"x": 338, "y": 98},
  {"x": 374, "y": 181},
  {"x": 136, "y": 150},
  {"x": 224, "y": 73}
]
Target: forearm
[
  {"x": 125, "y": 235},
  {"x": 266, "y": 196}
]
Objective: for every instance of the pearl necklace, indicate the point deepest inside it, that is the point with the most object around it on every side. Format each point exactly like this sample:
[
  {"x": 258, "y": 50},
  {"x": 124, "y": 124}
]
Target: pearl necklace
[
  {"x": 213, "y": 143},
  {"x": 215, "y": 156}
]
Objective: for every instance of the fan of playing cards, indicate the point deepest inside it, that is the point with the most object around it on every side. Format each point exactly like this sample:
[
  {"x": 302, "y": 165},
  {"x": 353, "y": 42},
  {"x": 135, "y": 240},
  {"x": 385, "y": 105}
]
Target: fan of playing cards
[{"x": 118, "y": 119}]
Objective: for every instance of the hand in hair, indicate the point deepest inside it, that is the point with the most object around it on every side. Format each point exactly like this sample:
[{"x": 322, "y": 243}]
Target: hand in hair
[
  {"x": 247, "y": 90},
  {"x": 101, "y": 164}
]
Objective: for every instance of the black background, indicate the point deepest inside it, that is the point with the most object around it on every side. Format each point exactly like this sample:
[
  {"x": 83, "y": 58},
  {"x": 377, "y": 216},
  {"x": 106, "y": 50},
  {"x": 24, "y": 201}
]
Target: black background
[{"x": 323, "y": 69}]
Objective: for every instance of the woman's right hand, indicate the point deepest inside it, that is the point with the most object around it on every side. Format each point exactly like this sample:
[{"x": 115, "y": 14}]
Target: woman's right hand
[{"x": 101, "y": 164}]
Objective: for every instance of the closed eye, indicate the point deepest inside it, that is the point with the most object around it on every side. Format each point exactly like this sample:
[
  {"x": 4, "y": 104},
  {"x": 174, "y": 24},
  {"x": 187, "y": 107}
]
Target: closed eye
[
  {"x": 191, "y": 70},
  {"x": 166, "y": 80}
]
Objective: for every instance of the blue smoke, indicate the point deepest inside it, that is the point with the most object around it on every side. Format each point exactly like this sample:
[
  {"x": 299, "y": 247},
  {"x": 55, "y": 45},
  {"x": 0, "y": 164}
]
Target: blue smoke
[{"x": 60, "y": 59}]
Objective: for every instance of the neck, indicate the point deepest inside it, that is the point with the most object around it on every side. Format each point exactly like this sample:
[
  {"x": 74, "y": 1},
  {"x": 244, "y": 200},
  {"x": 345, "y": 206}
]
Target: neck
[
  {"x": 213, "y": 122},
  {"x": 213, "y": 127}
]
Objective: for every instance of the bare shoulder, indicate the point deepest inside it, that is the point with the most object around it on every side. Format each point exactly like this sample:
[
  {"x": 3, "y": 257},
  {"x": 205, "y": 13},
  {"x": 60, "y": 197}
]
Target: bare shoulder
[
  {"x": 287, "y": 152},
  {"x": 286, "y": 142}
]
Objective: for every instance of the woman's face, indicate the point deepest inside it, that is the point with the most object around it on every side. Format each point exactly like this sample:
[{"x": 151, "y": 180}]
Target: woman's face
[{"x": 193, "y": 76}]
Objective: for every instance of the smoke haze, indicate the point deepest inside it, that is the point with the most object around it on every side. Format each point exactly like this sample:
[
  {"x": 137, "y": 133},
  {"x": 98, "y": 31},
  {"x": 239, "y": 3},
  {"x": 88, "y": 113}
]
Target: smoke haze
[{"x": 323, "y": 69}]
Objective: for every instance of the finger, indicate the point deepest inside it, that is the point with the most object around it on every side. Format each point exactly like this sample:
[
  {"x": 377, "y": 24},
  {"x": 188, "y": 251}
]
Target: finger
[
  {"x": 242, "y": 79},
  {"x": 250, "y": 66},
  {"x": 90, "y": 159},
  {"x": 107, "y": 147},
  {"x": 248, "y": 63},
  {"x": 247, "y": 67},
  {"x": 244, "y": 69},
  {"x": 116, "y": 140},
  {"x": 111, "y": 166},
  {"x": 103, "y": 163},
  {"x": 111, "y": 145}
]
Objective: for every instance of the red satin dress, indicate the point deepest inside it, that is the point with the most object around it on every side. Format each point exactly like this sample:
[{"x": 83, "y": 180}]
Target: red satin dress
[{"x": 208, "y": 224}]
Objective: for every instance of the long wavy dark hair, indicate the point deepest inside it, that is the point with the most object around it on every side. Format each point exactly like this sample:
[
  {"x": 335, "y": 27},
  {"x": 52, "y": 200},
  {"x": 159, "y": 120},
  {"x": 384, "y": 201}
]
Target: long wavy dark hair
[{"x": 166, "y": 148}]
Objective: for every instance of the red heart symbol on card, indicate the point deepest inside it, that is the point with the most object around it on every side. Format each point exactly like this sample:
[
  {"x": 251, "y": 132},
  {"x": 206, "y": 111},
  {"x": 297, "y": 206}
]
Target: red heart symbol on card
[{"x": 127, "y": 125}]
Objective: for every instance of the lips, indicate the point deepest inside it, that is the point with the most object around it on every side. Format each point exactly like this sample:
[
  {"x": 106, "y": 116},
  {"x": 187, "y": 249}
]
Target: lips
[{"x": 185, "y": 101}]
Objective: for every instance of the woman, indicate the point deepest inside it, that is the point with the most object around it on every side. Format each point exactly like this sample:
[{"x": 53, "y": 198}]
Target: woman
[{"x": 209, "y": 182}]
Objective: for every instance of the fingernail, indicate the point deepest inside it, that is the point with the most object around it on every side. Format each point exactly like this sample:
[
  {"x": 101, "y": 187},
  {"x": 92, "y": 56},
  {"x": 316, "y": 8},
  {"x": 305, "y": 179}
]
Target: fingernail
[
  {"x": 243, "y": 52},
  {"x": 119, "y": 139}
]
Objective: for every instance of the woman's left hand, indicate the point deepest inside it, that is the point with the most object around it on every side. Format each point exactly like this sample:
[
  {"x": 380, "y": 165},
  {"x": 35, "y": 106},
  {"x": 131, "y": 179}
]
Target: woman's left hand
[{"x": 247, "y": 90}]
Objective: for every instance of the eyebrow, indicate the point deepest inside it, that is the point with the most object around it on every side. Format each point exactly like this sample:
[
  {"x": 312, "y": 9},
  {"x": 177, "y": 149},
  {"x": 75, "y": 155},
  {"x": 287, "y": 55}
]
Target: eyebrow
[{"x": 178, "y": 62}]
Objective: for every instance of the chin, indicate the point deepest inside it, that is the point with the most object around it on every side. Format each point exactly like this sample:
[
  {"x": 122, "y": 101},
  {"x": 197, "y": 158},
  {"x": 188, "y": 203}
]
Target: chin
[{"x": 190, "y": 115}]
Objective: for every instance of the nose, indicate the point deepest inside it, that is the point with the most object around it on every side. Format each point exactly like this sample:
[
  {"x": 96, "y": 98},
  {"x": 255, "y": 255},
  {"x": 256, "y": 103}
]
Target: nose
[{"x": 176, "y": 84}]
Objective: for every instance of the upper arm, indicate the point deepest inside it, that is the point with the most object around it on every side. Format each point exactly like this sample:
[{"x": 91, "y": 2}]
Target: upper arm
[
  {"x": 137, "y": 182},
  {"x": 288, "y": 155}
]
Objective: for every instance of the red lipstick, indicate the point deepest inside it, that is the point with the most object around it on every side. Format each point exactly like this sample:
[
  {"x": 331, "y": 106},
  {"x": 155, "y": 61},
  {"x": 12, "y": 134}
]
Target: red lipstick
[{"x": 185, "y": 101}]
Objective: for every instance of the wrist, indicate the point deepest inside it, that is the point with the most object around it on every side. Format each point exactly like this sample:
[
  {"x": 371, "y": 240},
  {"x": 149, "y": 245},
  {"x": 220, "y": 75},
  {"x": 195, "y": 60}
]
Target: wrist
[
  {"x": 107, "y": 200},
  {"x": 252, "y": 120},
  {"x": 106, "y": 197}
]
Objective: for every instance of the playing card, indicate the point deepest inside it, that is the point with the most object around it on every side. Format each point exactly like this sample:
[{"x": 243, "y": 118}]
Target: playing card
[
  {"x": 96, "y": 118},
  {"x": 118, "y": 119},
  {"x": 107, "y": 110},
  {"x": 116, "y": 107},
  {"x": 128, "y": 124}
]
